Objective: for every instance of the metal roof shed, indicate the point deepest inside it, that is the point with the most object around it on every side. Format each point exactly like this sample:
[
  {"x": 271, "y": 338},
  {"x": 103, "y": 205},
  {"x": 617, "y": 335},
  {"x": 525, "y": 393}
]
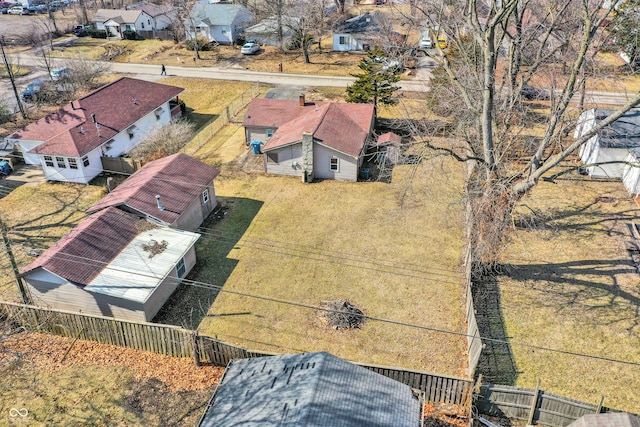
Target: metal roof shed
[{"x": 312, "y": 390}]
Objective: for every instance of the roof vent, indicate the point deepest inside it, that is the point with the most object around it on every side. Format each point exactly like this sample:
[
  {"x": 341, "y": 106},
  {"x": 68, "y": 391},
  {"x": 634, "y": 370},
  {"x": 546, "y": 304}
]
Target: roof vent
[
  {"x": 159, "y": 203},
  {"x": 82, "y": 130},
  {"x": 135, "y": 101}
]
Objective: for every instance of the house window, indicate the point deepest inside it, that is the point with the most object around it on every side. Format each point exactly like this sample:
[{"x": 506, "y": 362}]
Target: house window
[
  {"x": 269, "y": 133},
  {"x": 158, "y": 113},
  {"x": 130, "y": 131},
  {"x": 334, "y": 164},
  {"x": 85, "y": 161},
  {"x": 73, "y": 163},
  {"x": 107, "y": 145},
  {"x": 61, "y": 163},
  {"x": 149, "y": 21},
  {"x": 48, "y": 160},
  {"x": 181, "y": 268},
  {"x": 142, "y": 24},
  {"x": 205, "y": 195},
  {"x": 127, "y": 27},
  {"x": 272, "y": 157},
  {"x": 342, "y": 40}
]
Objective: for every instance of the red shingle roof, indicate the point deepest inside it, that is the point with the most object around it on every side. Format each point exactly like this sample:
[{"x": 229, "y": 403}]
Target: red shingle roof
[
  {"x": 389, "y": 138},
  {"x": 342, "y": 127},
  {"x": 89, "y": 247},
  {"x": 178, "y": 180},
  {"x": 71, "y": 132}
]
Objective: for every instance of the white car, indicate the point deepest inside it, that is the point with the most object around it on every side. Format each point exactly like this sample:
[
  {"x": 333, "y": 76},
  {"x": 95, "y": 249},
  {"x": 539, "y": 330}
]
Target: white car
[
  {"x": 15, "y": 10},
  {"x": 250, "y": 48}
]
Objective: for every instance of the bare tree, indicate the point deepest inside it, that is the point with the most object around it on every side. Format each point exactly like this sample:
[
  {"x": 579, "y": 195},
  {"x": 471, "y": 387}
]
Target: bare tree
[
  {"x": 164, "y": 141},
  {"x": 10, "y": 67},
  {"x": 523, "y": 41}
]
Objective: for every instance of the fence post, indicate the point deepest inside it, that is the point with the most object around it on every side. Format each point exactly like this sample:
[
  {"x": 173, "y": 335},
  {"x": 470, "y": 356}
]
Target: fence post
[
  {"x": 196, "y": 353},
  {"x": 599, "y": 408},
  {"x": 534, "y": 403}
]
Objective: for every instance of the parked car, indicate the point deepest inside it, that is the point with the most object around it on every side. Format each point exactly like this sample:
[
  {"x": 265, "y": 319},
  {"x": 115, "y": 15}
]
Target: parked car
[
  {"x": 59, "y": 73},
  {"x": 80, "y": 30},
  {"x": 54, "y": 5},
  {"x": 31, "y": 92},
  {"x": 442, "y": 42},
  {"x": 531, "y": 93},
  {"x": 41, "y": 8},
  {"x": 250, "y": 48},
  {"x": 15, "y": 10},
  {"x": 8, "y": 4},
  {"x": 4, "y": 10}
]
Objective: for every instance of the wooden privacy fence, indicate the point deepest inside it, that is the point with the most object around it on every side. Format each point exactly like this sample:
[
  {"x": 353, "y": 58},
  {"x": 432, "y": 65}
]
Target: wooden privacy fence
[
  {"x": 534, "y": 406},
  {"x": 120, "y": 164},
  {"x": 175, "y": 341},
  {"x": 213, "y": 126}
]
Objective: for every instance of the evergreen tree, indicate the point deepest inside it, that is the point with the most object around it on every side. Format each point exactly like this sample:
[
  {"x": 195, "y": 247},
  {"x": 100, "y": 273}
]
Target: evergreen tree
[
  {"x": 375, "y": 83},
  {"x": 624, "y": 30}
]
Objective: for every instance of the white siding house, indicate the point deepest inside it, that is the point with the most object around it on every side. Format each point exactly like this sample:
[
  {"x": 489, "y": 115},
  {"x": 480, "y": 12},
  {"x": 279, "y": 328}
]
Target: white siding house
[
  {"x": 221, "y": 23},
  {"x": 110, "y": 265},
  {"x": 69, "y": 143},
  {"x": 606, "y": 152},
  {"x": 358, "y": 33},
  {"x": 116, "y": 21}
]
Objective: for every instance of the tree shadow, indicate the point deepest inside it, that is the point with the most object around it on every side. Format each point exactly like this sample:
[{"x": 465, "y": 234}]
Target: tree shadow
[
  {"x": 496, "y": 364},
  {"x": 220, "y": 233},
  {"x": 200, "y": 120}
]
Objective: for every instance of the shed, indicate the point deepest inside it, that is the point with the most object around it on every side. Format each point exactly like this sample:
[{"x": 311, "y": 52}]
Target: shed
[
  {"x": 611, "y": 419},
  {"x": 112, "y": 264},
  {"x": 311, "y": 390},
  {"x": 176, "y": 190}
]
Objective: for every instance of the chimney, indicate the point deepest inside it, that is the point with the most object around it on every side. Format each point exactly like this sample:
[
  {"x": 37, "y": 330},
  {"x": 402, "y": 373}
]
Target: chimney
[
  {"x": 159, "y": 203},
  {"x": 301, "y": 98},
  {"x": 307, "y": 157}
]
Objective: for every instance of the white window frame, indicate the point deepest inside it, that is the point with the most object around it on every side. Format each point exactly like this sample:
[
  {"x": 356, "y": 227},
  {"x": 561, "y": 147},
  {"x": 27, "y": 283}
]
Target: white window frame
[
  {"x": 334, "y": 167},
  {"x": 158, "y": 112},
  {"x": 61, "y": 162},
  {"x": 48, "y": 161},
  {"x": 269, "y": 133},
  {"x": 85, "y": 161},
  {"x": 73, "y": 163},
  {"x": 205, "y": 196}
]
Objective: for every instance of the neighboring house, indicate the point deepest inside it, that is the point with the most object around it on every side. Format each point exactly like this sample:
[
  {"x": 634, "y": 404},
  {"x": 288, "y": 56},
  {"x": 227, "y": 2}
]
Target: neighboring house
[
  {"x": 176, "y": 191},
  {"x": 610, "y": 419},
  {"x": 109, "y": 121},
  {"x": 604, "y": 154},
  {"x": 162, "y": 15},
  {"x": 266, "y": 33},
  {"x": 116, "y": 21},
  {"x": 311, "y": 390},
  {"x": 112, "y": 264},
  {"x": 217, "y": 22},
  {"x": 359, "y": 33},
  {"x": 311, "y": 140}
]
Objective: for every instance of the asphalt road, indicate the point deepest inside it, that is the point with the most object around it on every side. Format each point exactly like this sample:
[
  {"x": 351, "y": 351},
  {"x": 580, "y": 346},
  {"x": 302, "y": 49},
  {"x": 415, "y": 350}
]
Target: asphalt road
[{"x": 419, "y": 83}]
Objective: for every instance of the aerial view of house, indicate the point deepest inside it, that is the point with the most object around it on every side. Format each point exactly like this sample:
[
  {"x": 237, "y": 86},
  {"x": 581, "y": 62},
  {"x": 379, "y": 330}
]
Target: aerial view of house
[
  {"x": 320, "y": 213},
  {"x": 112, "y": 264},
  {"x": 308, "y": 139},
  {"x": 176, "y": 191},
  {"x": 69, "y": 142}
]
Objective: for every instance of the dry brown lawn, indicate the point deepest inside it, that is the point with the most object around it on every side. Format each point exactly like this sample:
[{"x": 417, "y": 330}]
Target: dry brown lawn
[{"x": 571, "y": 286}]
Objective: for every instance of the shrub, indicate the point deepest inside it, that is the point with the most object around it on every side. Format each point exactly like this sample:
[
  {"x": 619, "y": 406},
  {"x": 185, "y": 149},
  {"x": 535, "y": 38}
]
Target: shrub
[
  {"x": 201, "y": 43},
  {"x": 129, "y": 35},
  {"x": 97, "y": 34}
]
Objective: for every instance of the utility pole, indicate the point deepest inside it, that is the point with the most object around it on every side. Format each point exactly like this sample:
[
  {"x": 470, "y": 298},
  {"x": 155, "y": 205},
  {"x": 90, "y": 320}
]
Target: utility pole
[
  {"x": 14, "y": 266},
  {"x": 11, "y": 78}
]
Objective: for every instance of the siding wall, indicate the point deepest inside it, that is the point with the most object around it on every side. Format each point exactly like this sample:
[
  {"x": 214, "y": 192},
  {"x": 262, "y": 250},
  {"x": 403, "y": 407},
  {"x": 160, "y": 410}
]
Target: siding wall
[
  {"x": 257, "y": 134},
  {"x": 631, "y": 175},
  {"x": 347, "y": 165},
  {"x": 601, "y": 155},
  {"x": 289, "y": 161},
  {"x": 351, "y": 43}
]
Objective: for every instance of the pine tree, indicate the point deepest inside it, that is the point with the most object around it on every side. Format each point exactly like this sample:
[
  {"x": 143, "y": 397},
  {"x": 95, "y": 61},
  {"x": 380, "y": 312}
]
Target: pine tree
[{"x": 375, "y": 83}]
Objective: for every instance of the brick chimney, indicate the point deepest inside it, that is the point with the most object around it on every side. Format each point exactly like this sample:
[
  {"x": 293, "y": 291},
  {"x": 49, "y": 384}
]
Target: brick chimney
[
  {"x": 307, "y": 156},
  {"x": 301, "y": 98}
]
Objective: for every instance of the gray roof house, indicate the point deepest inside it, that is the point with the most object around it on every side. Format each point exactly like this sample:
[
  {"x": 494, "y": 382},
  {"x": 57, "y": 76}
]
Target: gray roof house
[
  {"x": 612, "y": 151},
  {"x": 311, "y": 390},
  {"x": 358, "y": 33},
  {"x": 220, "y": 23},
  {"x": 611, "y": 419}
]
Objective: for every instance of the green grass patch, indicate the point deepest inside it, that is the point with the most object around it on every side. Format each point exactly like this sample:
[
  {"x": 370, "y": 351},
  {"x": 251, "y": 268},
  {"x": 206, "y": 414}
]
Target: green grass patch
[{"x": 571, "y": 285}]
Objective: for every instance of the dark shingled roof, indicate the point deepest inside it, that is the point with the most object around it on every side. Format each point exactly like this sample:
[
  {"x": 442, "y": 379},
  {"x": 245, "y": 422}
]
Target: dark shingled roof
[
  {"x": 363, "y": 24},
  {"x": 178, "y": 180},
  {"x": 623, "y": 133},
  {"x": 89, "y": 247},
  {"x": 311, "y": 390},
  {"x": 70, "y": 131},
  {"x": 611, "y": 419}
]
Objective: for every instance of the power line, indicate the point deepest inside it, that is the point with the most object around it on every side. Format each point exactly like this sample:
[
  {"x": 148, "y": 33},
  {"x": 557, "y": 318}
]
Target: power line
[{"x": 90, "y": 262}]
